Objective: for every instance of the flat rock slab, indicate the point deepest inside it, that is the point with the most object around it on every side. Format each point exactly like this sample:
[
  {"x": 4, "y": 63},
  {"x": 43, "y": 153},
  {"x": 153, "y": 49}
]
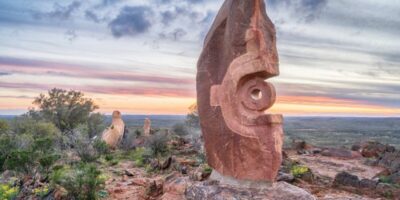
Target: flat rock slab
[
  {"x": 330, "y": 166},
  {"x": 279, "y": 190}
]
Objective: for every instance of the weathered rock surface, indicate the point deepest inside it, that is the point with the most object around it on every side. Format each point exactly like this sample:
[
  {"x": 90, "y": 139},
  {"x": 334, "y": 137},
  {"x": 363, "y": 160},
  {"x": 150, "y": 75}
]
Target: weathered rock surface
[
  {"x": 239, "y": 53},
  {"x": 114, "y": 133},
  {"x": 330, "y": 166},
  {"x": 340, "y": 153},
  {"x": 147, "y": 127},
  {"x": 280, "y": 190},
  {"x": 374, "y": 149},
  {"x": 390, "y": 160},
  {"x": 346, "y": 179},
  {"x": 286, "y": 177}
]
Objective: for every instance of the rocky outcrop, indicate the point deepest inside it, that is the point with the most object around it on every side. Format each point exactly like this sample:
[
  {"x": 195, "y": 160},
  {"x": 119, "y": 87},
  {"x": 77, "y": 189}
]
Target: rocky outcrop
[
  {"x": 241, "y": 140},
  {"x": 114, "y": 133},
  {"x": 214, "y": 191},
  {"x": 373, "y": 149},
  {"x": 340, "y": 153},
  {"x": 390, "y": 160}
]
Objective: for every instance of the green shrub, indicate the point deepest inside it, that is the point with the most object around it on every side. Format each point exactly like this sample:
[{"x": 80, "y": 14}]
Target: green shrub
[
  {"x": 157, "y": 143},
  {"x": 180, "y": 130},
  {"x": 207, "y": 169},
  {"x": 7, "y": 192},
  {"x": 7, "y": 144},
  {"x": 109, "y": 157},
  {"x": 138, "y": 133},
  {"x": 47, "y": 161},
  {"x": 298, "y": 170},
  {"x": 21, "y": 161},
  {"x": 141, "y": 156},
  {"x": 96, "y": 124},
  {"x": 26, "y": 125},
  {"x": 384, "y": 179},
  {"x": 43, "y": 145},
  {"x": 4, "y": 127},
  {"x": 82, "y": 181},
  {"x": 85, "y": 150},
  {"x": 41, "y": 191},
  {"x": 25, "y": 155},
  {"x": 192, "y": 120},
  {"x": 101, "y": 147}
]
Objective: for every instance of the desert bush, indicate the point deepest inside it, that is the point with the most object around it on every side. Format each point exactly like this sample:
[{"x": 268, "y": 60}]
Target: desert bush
[
  {"x": 8, "y": 192},
  {"x": 101, "y": 147},
  {"x": 82, "y": 181},
  {"x": 90, "y": 151},
  {"x": 138, "y": 133},
  {"x": 41, "y": 191},
  {"x": 25, "y": 125},
  {"x": 157, "y": 143},
  {"x": 7, "y": 144},
  {"x": 180, "y": 130},
  {"x": 26, "y": 158},
  {"x": 141, "y": 156},
  {"x": 4, "y": 127},
  {"x": 86, "y": 151},
  {"x": 65, "y": 109},
  {"x": 47, "y": 161},
  {"x": 21, "y": 161},
  {"x": 192, "y": 118},
  {"x": 96, "y": 124},
  {"x": 83, "y": 145},
  {"x": 299, "y": 170},
  {"x": 30, "y": 147}
]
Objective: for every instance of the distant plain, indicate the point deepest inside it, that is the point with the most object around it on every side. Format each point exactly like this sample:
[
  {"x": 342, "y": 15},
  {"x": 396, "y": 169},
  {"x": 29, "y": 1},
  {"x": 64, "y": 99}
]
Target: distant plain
[{"x": 319, "y": 131}]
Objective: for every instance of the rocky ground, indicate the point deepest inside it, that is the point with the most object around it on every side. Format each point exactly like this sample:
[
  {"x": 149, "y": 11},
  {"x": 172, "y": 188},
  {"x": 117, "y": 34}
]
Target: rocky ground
[
  {"x": 369, "y": 170},
  {"x": 307, "y": 173}
]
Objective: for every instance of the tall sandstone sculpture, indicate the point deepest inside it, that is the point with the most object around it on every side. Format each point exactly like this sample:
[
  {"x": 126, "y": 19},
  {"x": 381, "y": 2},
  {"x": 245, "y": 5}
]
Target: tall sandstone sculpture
[
  {"x": 239, "y": 54},
  {"x": 114, "y": 133},
  {"x": 147, "y": 127}
]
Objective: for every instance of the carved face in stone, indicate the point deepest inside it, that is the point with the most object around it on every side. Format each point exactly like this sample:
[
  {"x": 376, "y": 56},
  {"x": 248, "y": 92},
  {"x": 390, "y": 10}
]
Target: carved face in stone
[{"x": 239, "y": 54}]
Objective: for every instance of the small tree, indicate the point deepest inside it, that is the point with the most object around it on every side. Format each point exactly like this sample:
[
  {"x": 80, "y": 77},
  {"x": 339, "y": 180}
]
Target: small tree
[
  {"x": 192, "y": 118},
  {"x": 180, "y": 130},
  {"x": 66, "y": 109},
  {"x": 4, "y": 127}
]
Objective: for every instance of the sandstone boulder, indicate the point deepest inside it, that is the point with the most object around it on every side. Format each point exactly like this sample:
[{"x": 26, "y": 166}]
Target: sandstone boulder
[
  {"x": 114, "y": 133},
  {"x": 374, "y": 149},
  {"x": 147, "y": 127},
  {"x": 346, "y": 179}
]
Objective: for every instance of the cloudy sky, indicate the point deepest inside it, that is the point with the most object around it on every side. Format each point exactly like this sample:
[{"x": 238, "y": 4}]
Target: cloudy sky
[{"x": 338, "y": 57}]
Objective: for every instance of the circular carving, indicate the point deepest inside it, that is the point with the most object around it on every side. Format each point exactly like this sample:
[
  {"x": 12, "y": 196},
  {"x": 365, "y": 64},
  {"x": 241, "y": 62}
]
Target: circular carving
[{"x": 257, "y": 95}]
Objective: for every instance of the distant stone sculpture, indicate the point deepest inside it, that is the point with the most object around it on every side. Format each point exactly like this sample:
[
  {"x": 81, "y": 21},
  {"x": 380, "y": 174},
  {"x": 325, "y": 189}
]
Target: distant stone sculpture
[
  {"x": 147, "y": 127},
  {"x": 114, "y": 133},
  {"x": 239, "y": 54}
]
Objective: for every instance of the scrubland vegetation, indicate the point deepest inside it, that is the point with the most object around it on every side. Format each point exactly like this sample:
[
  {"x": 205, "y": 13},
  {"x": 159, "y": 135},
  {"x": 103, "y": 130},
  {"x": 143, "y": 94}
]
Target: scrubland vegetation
[{"x": 56, "y": 150}]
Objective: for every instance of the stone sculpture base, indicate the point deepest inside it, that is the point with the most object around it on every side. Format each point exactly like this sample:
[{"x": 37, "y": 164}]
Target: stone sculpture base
[
  {"x": 230, "y": 181},
  {"x": 212, "y": 190}
]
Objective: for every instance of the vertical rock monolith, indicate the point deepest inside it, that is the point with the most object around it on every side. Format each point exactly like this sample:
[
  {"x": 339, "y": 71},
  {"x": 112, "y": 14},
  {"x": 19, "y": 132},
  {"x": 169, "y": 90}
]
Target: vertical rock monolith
[
  {"x": 147, "y": 127},
  {"x": 114, "y": 133},
  {"x": 241, "y": 140}
]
